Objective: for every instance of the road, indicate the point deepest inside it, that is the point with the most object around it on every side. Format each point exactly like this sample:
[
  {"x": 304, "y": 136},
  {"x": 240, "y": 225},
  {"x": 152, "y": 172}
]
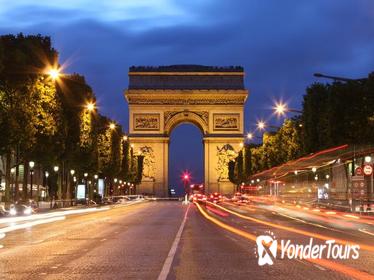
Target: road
[{"x": 141, "y": 241}]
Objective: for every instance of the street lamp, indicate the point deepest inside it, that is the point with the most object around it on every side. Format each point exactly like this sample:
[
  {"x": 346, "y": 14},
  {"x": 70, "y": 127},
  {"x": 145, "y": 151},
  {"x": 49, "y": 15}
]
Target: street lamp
[
  {"x": 31, "y": 165},
  {"x": 90, "y": 106},
  {"x": 281, "y": 109},
  {"x": 124, "y": 137},
  {"x": 112, "y": 126},
  {"x": 249, "y": 136},
  {"x": 54, "y": 73},
  {"x": 261, "y": 125}
]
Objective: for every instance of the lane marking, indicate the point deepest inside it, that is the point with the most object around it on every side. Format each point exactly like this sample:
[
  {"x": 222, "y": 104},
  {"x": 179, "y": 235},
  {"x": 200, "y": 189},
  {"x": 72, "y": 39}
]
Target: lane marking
[
  {"x": 169, "y": 259},
  {"x": 365, "y": 231},
  {"x": 233, "y": 239},
  {"x": 309, "y": 223},
  {"x": 320, "y": 267}
]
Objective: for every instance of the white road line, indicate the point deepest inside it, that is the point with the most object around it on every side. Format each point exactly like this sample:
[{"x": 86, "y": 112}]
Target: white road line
[
  {"x": 365, "y": 231},
  {"x": 169, "y": 259},
  {"x": 319, "y": 267}
]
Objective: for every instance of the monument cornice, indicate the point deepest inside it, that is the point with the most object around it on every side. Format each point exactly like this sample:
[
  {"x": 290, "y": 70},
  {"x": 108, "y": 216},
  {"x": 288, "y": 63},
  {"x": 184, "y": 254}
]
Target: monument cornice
[
  {"x": 191, "y": 97},
  {"x": 186, "y": 73}
]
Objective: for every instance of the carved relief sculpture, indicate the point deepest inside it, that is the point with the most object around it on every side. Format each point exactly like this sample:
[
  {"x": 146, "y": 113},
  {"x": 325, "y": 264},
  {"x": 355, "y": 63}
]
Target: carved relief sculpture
[
  {"x": 148, "y": 162},
  {"x": 146, "y": 121},
  {"x": 224, "y": 154},
  {"x": 226, "y": 121}
]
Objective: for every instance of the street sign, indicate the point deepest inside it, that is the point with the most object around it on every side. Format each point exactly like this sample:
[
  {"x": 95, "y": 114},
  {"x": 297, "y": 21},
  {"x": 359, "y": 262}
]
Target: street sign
[
  {"x": 358, "y": 178},
  {"x": 368, "y": 170},
  {"x": 358, "y": 187},
  {"x": 358, "y": 171}
]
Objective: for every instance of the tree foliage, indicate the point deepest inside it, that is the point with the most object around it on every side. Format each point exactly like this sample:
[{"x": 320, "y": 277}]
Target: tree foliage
[
  {"x": 47, "y": 121},
  {"x": 338, "y": 113}
]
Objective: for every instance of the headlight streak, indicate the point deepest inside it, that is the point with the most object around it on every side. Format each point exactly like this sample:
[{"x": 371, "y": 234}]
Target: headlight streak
[
  {"x": 50, "y": 215},
  {"x": 30, "y": 224},
  {"x": 27, "y": 225},
  {"x": 299, "y": 231},
  {"x": 322, "y": 262},
  {"x": 39, "y": 219}
]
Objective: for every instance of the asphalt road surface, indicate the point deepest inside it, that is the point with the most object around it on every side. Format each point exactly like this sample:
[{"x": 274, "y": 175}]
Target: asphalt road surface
[{"x": 168, "y": 240}]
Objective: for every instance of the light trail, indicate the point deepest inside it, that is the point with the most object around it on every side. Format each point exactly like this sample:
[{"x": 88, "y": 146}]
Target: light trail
[
  {"x": 357, "y": 274},
  {"x": 30, "y": 224},
  {"x": 51, "y": 215},
  {"x": 299, "y": 231}
]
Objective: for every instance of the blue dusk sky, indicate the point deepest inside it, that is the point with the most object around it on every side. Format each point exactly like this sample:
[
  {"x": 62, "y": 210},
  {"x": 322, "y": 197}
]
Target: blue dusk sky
[{"x": 280, "y": 44}]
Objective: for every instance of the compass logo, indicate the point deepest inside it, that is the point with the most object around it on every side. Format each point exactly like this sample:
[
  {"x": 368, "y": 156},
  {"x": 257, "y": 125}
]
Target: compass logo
[{"x": 266, "y": 249}]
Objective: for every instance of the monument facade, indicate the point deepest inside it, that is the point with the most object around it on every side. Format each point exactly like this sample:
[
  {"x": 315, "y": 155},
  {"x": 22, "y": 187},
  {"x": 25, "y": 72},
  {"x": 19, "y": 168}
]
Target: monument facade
[{"x": 161, "y": 98}]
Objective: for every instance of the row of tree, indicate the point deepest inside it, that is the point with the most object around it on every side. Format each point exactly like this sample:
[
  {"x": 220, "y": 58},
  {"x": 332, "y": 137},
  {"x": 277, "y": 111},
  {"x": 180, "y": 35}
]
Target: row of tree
[
  {"x": 332, "y": 114},
  {"x": 53, "y": 122}
]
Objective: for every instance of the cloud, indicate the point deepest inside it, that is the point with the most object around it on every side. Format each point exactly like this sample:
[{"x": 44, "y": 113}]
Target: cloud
[{"x": 280, "y": 43}]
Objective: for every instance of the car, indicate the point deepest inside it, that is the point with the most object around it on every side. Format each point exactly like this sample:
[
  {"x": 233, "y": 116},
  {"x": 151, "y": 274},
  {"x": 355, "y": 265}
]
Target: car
[
  {"x": 239, "y": 198},
  {"x": 215, "y": 197},
  {"x": 198, "y": 197},
  {"x": 20, "y": 210}
]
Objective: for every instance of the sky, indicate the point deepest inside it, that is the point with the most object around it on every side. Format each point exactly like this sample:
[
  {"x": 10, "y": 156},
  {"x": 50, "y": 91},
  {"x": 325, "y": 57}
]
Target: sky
[{"x": 280, "y": 44}]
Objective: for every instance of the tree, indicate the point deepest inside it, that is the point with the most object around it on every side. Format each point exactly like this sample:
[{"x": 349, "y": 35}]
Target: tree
[
  {"x": 338, "y": 113},
  {"x": 23, "y": 61}
]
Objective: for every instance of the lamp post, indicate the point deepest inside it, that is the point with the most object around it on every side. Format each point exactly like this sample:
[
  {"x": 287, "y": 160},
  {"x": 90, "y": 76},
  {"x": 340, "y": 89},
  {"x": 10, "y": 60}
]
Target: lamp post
[
  {"x": 55, "y": 169},
  {"x": 31, "y": 165},
  {"x": 85, "y": 175},
  {"x": 12, "y": 172},
  {"x": 96, "y": 177},
  {"x": 68, "y": 195},
  {"x": 114, "y": 186},
  {"x": 46, "y": 183},
  {"x": 341, "y": 79}
]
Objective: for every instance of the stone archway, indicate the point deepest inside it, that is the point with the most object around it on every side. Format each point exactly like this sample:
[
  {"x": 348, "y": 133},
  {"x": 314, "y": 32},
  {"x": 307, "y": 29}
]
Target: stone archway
[
  {"x": 198, "y": 118},
  {"x": 160, "y": 98}
]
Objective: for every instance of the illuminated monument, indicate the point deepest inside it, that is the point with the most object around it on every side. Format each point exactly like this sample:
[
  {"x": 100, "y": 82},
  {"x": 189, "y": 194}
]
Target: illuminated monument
[{"x": 161, "y": 98}]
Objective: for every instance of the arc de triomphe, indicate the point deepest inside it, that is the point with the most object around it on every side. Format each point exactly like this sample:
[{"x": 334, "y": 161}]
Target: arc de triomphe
[{"x": 161, "y": 98}]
